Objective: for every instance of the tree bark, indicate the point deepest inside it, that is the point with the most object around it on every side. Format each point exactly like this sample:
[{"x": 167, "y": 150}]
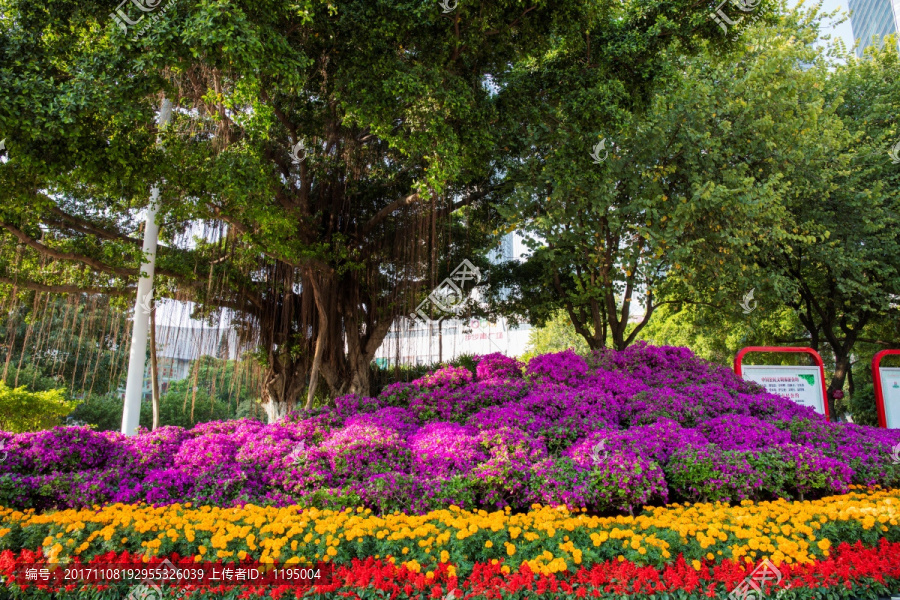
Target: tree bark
[
  {"x": 841, "y": 370},
  {"x": 282, "y": 385},
  {"x": 320, "y": 344}
]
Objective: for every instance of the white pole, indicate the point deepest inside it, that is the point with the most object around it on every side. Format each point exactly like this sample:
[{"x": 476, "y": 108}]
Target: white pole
[{"x": 134, "y": 386}]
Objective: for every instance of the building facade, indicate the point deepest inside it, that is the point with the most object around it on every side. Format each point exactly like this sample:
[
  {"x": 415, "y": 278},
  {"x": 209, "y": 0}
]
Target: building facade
[
  {"x": 178, "y": 347},
  {"x": 873, "y": 18},
  {"x": 419, "y": 342}
]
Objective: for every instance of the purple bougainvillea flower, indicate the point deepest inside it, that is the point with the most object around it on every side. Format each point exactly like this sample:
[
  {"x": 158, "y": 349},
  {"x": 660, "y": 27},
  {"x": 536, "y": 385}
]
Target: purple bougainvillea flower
[{"x": 609, "y": 432}]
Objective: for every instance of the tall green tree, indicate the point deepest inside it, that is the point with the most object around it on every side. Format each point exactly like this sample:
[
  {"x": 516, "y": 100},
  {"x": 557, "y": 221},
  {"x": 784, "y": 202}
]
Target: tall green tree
[
  {"x": 842, "y": 265},
  {"x": 667, "y": 209}
]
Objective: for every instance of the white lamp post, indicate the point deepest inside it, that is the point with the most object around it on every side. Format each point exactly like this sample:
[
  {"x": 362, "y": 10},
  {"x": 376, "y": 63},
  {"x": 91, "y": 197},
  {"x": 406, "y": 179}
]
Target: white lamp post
[{"x": 134, "y": 386}]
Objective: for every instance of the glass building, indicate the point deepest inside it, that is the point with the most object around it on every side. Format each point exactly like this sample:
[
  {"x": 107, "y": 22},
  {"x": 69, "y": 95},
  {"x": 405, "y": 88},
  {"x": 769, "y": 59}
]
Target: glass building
[{"x": 873, "y": 17}]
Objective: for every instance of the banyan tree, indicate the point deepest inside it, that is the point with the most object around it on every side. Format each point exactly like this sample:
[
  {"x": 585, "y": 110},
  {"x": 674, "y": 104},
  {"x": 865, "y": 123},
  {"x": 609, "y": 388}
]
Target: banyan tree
[{"x": 341, "y": 157}]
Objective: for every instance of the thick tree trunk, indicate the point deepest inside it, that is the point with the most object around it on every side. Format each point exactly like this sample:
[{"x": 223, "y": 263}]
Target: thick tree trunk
[
  {"x": 282, "y": 385},
  {"x": 316, "y": 367},
  {"x": 841, "y": 369},
  {"x": 275, "y": 409},
  {"x": 360, "y": 353},
  {"x": 360, "y": 379}
]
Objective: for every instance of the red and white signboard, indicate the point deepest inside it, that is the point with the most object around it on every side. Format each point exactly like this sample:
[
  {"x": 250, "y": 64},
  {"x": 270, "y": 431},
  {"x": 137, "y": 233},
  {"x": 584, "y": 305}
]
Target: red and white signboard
[
  {"x": 887, "y": 390},
  {"x": 803, "y": 384}
]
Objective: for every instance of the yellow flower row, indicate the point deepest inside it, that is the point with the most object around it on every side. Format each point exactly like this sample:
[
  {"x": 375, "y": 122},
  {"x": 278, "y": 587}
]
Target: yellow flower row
[{"x": 549, "y": 539}]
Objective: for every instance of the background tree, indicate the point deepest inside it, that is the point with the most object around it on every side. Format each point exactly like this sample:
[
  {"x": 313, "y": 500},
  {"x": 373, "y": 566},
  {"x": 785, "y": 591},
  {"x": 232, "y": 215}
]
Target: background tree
[
  {"x": 557, "y": 334},
  {"x": 73, "y": 342},
  {"x": 718, "y": 333},
  {"x": 667, "y": 212},
  {"x": 843, "y": 263}
]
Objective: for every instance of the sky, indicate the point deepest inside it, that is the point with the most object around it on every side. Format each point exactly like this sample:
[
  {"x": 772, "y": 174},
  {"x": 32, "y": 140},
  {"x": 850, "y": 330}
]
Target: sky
[{"x": 843, "y": 30}]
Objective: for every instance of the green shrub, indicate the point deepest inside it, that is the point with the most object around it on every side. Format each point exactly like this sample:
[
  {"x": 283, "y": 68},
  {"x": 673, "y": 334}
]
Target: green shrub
[
  {"x": 21, "y": 410},
  {"x": 862, "y": 406},
  {"x": 103, "y": 413}
]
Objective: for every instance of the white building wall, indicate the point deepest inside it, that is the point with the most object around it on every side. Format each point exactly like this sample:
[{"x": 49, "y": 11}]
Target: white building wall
[{"x": 425, "y": 344}]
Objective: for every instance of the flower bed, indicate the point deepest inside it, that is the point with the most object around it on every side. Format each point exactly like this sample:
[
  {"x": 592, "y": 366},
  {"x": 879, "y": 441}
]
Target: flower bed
[
  {"x": 646, "y": 425},
  {"x": 851, "y": 571},
  {"x": 548, "y": 540}
]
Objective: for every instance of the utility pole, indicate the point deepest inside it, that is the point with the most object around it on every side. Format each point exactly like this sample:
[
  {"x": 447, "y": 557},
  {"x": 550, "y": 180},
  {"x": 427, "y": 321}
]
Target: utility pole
[{"x": 144, "y": 304}]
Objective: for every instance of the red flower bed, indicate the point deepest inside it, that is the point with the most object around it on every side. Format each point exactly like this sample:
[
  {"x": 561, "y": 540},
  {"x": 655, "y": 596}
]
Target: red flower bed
[{"x": 850, "y": 569}]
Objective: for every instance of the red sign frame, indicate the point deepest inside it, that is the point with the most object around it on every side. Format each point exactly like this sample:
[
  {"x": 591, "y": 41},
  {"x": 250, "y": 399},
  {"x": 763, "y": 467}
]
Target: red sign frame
[
  {"x": 876, "y": 378},
  {"x": 740, "y": 357}
]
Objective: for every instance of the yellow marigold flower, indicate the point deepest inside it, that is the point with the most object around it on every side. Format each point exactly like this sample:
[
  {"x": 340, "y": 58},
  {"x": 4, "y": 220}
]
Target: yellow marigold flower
[
  {"x": 489, "y": 544},
  {"x": 696, "y": 564}
]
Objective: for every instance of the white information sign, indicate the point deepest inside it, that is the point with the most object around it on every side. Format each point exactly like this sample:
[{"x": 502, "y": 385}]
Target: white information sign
[
  {"x": 803, "y": 385},
  {"x": 890, "y": 389}
]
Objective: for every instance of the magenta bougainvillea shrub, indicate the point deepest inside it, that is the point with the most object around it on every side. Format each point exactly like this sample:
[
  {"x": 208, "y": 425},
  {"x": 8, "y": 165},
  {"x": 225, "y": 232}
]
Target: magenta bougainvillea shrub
[
  {"x": 608, "y": 433},
  {"x": 441, "y": 450},
  {"x": 498, "y": 366}
]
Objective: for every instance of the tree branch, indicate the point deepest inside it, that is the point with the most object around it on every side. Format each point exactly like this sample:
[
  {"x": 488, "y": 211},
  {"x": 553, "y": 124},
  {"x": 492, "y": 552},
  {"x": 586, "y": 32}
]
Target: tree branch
[
  {"x": 64, "y": 289},
  {"x": 387, "y": 211},
  {"x": 43, "y": 249},
  {"x": 86, "y": 227}
]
